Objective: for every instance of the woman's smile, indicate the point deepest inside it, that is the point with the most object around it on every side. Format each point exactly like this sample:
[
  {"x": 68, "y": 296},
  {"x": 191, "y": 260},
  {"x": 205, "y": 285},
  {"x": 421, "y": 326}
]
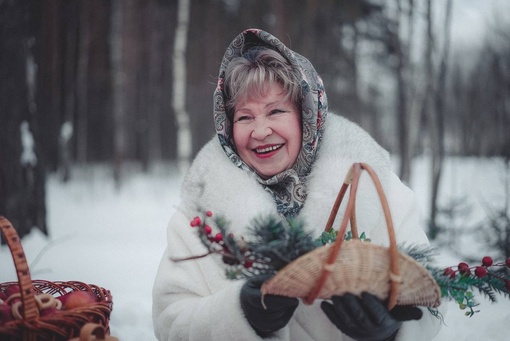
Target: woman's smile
[{"x": 267, "y": 151}]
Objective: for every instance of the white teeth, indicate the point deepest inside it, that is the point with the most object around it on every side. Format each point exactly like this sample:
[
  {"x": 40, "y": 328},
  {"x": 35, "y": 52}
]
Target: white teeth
[{"x": 268, "y": 149}]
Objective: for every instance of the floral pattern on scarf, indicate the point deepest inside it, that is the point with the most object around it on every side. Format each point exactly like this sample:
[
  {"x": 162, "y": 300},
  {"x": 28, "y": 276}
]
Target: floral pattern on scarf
[{"x": 288, "y": 188}]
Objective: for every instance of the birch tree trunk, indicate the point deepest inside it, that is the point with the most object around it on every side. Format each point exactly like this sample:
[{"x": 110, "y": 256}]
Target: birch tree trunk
[{"x": 184, "y": 142}]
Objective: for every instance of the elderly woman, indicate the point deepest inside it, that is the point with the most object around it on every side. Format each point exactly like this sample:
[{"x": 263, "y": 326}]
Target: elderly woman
[{"x": 278, "y": 152}]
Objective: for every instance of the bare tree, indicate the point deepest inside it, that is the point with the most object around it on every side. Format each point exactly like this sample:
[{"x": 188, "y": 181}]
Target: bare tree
[
  {"x": 436, "y": 118},
  {"x": 118, "y": 81},
  {"x": 407, "y": 103},
  {"x": 155, "y": 78},
  {"x": 81, "y": 122},
  {"x": 184, "y": 146},
  {"x": 402, "y": 100}
]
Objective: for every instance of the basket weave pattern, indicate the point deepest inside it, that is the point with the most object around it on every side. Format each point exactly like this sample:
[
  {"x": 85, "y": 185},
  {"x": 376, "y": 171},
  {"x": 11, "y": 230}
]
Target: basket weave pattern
[
  {"x": 355, "y": 266},
  {"x": 60, "y": 326}
]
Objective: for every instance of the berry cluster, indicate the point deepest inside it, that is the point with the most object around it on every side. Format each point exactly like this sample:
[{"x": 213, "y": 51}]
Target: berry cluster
[
  {"x": 488, "y": 277},
  {"x": 234, "y": 251},
  {"x": 207, "y": 229},
  {"x": 480, "y": 271},
  {"x": 273, "y": 244}
]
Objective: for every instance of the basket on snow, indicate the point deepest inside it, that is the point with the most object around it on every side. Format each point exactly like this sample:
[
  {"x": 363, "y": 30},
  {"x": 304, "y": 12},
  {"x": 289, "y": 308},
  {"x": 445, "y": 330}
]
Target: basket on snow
[
  {"x": 355, "y": 266},
  {"x": 30, "y": 326}
]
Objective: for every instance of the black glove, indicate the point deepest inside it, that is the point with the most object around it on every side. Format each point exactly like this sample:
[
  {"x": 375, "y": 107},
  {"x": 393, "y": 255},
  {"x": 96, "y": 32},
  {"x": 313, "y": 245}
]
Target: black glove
[
  {"x": 366, "y": 318},
  {"x": 276, "y": 315}
]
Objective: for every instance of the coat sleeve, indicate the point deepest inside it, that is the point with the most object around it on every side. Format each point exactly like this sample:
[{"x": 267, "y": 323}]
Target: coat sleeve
[{"x": 192, "y": 300}]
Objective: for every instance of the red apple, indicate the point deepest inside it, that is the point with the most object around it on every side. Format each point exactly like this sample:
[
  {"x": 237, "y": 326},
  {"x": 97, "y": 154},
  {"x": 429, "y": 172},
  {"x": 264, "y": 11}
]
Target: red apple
[
  {"x": 13, "y": 294},
  {"x": 12, "y": 289},
  {"x": 78, "y": 299},
  {"x": 5, "y": 314}
]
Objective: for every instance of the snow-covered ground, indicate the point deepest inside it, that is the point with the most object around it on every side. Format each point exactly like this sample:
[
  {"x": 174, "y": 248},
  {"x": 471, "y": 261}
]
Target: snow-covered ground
[
  {"x": 115, "y": 238},
  {"x": 474, "y": 185}
]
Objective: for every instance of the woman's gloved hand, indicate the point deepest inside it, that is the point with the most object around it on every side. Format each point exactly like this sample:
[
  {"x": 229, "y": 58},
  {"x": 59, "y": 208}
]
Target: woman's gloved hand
[
  {"x": 366, "y": 318},
  {"x": 276, "y": 314}
]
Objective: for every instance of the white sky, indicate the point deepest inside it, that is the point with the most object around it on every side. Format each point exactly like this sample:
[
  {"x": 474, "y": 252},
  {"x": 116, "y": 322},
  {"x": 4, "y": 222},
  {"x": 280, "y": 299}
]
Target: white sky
[{"x": 472, "y": 18}]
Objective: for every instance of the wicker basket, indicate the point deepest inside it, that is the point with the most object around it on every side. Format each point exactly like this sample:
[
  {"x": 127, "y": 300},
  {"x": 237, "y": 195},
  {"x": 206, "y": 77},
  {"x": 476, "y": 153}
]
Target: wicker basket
[
  {"x": 355, "y": 266},
  {"x": 94, "y": 332},
  {"x": 65, "y": 324}
]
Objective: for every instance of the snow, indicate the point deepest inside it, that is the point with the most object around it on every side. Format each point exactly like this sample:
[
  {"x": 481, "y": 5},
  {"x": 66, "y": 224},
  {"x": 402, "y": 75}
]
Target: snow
[
  {"x": 115, "y": 237},
  {"x": 28, "y": 156},
  {"x": 475, "y": 183}
]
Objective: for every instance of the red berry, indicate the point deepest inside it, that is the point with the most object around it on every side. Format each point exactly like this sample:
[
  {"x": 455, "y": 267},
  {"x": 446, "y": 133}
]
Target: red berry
[
  {"x": 487, "y": 261},
  {"x": 463, "y": 268},
  {"x": 508, "y": 262},
  {"x": 218, "y": 237},
  {"x": 508, "y": 284},
  {"x": 195, "y": 222},
  {"x": 449, "y": 272},
  {"x": 248, "y": 264},
  {"x": 207, "y": 229},
  {"x": 208, "y": 213},
  {"x": 480, "y": 271}
]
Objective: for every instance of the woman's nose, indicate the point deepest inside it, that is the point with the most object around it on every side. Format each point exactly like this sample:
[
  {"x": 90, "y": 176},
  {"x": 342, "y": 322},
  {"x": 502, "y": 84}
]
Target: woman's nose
[{"x": 261, "y": 130}]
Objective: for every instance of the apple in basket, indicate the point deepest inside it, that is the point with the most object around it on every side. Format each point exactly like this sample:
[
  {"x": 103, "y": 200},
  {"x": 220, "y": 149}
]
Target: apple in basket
[
  {"x": 5, "y": 313},
  {"x": 77, "y": 299},
  {"x": 13, "y": 294},
  {"x": 12, "y": 289}
]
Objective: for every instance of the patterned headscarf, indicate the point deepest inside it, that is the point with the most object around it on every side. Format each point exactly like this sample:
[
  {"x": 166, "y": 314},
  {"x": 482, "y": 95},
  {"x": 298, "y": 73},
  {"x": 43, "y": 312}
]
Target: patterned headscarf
[{"x": 288, "y": 187}]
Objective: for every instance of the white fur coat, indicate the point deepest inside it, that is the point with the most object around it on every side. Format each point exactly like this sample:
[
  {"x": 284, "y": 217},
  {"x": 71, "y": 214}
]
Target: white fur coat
[{"x": 192, "y": 300}]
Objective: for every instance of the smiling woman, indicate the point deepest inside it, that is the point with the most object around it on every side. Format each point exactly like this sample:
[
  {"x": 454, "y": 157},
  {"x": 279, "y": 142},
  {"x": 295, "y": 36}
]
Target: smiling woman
[
  {"x": 263, "y": 100},
  {"x": 267, "y": 132},
  {"x": 279, "y": 153}
]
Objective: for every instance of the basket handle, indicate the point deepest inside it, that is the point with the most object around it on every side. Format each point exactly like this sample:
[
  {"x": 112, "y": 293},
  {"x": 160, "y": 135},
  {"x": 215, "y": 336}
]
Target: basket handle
[
  {"x": 30, "y": 311},
  {"x": 352, "y": 179}
]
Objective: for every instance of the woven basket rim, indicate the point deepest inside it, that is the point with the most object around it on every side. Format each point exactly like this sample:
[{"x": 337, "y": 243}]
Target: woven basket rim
[{"x": 278, "y": 285}]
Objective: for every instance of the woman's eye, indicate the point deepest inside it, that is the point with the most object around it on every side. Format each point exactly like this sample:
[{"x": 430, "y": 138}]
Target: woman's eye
[
  {"x": 243, "y": 118},
  {"x": 276, "y": 111}
]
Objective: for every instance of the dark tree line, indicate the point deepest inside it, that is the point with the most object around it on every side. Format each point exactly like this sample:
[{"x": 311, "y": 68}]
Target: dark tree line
[
  {"x": 22, "y": 166},
  {"x": 78, "y": 67},
  {"x": 93, "y": 80}
]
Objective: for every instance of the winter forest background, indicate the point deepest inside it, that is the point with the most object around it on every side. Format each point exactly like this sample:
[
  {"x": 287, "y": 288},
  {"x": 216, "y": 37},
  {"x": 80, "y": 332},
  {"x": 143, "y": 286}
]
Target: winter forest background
[{"x": 123, "y": 88}]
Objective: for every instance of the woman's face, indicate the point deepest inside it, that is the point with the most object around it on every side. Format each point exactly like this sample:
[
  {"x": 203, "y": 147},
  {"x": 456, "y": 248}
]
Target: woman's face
[{"x": 267, "y": 132}]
